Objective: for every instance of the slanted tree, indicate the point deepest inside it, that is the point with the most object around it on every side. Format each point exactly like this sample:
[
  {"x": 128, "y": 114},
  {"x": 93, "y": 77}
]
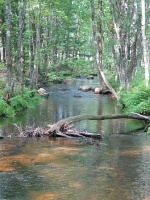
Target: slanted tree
[{"x": 97, "y": 35}]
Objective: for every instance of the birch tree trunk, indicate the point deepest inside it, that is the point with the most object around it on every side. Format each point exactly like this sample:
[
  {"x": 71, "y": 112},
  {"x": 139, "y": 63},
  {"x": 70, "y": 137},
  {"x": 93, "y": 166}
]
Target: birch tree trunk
[
  {"x": 2, "y": 35},
  {"x": 8, "y": 43},
  {"x": 2, "y": 44},
  {"x": 144, "y": 43},
  {"x": 35, "y": 47}
]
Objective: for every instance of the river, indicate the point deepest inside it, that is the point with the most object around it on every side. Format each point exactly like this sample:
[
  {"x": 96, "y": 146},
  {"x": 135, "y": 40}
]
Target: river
[{"x": 114, "y": 168}]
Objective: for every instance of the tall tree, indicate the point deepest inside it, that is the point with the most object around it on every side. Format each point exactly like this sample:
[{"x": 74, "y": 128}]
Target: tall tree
[
  {"x": 8, "y": 42},
  {"x": 144, "y": 43},
  {"x": 20, "y": 68},
  {"x": 98, "y": 34},
  {"x": 125, "y": 32},
  {"x": 2, "y": 31}
]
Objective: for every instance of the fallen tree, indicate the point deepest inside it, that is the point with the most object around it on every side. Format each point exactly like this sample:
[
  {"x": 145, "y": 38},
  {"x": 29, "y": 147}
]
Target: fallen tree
[{"x": 62, "y": 128}]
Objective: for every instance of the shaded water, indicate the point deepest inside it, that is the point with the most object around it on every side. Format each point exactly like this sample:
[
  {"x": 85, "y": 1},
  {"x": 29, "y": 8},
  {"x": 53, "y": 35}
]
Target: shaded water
[{"x": 116, "y": 167}]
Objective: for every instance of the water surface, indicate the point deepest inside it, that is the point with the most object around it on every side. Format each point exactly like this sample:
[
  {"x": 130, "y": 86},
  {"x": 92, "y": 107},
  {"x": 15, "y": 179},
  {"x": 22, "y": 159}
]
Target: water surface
[{"x": 116, "y": 167}]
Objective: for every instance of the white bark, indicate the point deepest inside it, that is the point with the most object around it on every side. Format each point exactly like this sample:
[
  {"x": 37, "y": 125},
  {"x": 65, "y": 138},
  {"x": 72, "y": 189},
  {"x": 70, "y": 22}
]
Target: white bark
[
  {"x": 144, "y": 43},
  {"x": 8, "y": 42}
]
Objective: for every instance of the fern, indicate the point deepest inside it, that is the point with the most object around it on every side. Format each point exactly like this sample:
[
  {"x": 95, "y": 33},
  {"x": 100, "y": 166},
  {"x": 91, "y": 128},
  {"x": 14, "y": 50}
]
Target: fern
[
  {"x": 136, "y": 100},
  {"x": 9, "y": 112},
  {"x": 31, "y": 97},
  {"x": 18, "y": 103},
  {"x": 3, "y": 106},
  {"x": 5, "y": 109}
]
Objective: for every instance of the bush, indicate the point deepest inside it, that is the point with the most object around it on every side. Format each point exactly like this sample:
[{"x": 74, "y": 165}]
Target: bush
[
  {"x": 5, "y": 109},
  {"x": 136, "y": 100},
  {"x": 17, "y": 103}
]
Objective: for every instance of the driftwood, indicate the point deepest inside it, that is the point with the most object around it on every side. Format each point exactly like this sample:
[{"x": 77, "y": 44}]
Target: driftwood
[{"x": 63, "y": 128}]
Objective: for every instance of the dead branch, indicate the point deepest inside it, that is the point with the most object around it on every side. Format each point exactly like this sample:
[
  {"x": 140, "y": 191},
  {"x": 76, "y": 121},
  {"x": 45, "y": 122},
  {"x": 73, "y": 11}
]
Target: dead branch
[{"x": 62, "y": 128}]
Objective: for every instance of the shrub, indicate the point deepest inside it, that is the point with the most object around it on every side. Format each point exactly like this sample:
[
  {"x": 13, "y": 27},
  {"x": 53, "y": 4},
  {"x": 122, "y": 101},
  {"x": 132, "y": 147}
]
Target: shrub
[
  {"x": 5, "y": 109},
  {"x": 17, "y": 103},
  {"x": 136, "y": 100}
]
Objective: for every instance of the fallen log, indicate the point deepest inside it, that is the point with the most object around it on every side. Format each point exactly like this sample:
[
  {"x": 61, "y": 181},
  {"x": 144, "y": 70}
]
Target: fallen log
[
  {"x": 62, "y": 128},
  {"x": 62, "y": 125}
]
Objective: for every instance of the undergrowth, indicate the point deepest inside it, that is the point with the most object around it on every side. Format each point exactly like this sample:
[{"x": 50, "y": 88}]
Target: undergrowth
[
  {"x": 136, "y": 100},
  {"x": 18, "y": 103}
]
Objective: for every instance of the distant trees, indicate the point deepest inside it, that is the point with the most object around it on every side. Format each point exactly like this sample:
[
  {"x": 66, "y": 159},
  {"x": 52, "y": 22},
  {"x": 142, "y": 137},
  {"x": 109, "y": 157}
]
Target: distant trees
[
  {"x": 66, "y": 36},
  {"x": 39, "y": 37}
]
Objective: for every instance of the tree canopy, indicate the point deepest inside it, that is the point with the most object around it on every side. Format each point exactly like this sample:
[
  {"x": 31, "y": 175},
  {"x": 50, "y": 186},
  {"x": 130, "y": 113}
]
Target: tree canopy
[{"x": 52, "y": 38}]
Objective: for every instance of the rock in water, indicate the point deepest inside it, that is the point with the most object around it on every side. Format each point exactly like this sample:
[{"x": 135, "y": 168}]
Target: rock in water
[{"x": 43, "y": 92}]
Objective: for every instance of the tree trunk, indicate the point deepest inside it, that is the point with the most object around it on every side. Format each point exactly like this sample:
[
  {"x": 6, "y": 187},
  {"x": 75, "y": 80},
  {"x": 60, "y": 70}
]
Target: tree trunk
[
  {"x": 144, "y": 42},
  {"x": 97, "y": 34},
  {"x": 62, "y": 128},
  {"x": 125, "y": 32},
  {"x": 8, "y": 43},
  {"x": 20, "y": 71}
]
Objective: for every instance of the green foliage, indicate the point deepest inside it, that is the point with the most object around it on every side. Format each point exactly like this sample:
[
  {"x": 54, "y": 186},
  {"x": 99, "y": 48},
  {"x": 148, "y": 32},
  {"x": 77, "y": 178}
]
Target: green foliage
[
  {"x": 54, "y": 76},
  {"x": 2, "y": 83},
  {"x": 28, "y": 99},
  {"x": 17, "y": 103},
  {"x": 3, "y": 106},
  {"x": 5, "y": 109},
  {"x": 81, "y": 67},
  {"x": 138, "y": 78},
  {"x": 113, "y": 81},
  {"x": 148, "y": 131},
  {"x": 9, "y": 112},
  {"x": 74, "y": 67},
  {"x": 2, "y": 66},
  {"x": 136, "y": 100},
  {"x": 31, "y": 97}
]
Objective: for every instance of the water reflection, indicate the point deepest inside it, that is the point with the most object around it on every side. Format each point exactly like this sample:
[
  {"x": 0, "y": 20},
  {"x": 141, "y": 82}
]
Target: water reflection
[
  {"x": 62, "y": 104},
  {"x": 114, "y": 168}
]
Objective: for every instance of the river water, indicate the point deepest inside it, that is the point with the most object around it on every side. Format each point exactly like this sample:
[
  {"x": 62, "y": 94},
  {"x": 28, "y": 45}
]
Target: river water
[{"x": 114, "y": 168}]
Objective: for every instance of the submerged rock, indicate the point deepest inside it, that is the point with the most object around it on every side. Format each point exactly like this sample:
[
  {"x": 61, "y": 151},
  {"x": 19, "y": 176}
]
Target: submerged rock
[
  {"x": 77, "y": 96},
  {"x": 1, "y": 137},
  {"x": 90, "y": 77}
]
